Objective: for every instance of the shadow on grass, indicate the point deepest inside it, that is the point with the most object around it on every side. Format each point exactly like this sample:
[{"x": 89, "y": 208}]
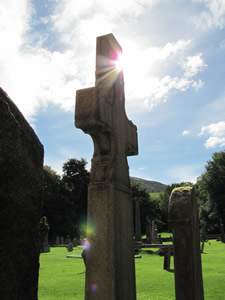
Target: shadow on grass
[
  {"x": 170, "y": 270},
  {"x": 81, "y": 273}
]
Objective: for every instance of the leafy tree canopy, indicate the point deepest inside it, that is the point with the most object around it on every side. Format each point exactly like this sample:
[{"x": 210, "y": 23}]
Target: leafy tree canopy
[{"x": 210, "y": 189}]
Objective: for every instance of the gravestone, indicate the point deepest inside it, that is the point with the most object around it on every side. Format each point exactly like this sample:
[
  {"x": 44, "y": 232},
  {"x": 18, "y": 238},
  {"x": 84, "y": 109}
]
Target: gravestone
[
  {"x": 75, "y": 242},
  {"x": 21, "y": 164},
  {"x": 62, "y": 240},
  {"x": 153, "y": 232},
  {"x": 70, "y": 247},
  {"x": 138, "y": 237},
  {"x": 183, "y": 216},
  {"x": 100, "y": 112},
  {"x": 148, "y": 230},
  {"x": 68, "y": 240},
  {"x": 57, "y": 240},
  {"x": 44, "y": 229}
]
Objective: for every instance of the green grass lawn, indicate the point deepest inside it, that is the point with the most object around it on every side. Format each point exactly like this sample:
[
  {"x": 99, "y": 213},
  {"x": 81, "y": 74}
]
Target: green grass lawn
[{"x": 63, "y": 278}]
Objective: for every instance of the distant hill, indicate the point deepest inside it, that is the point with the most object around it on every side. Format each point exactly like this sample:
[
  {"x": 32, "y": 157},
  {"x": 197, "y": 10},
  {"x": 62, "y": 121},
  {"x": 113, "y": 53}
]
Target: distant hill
[{"x": 151, "y": 186}]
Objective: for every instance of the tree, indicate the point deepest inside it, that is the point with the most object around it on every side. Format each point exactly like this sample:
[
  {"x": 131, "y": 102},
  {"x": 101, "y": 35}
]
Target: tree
[
  {"x": 57, "y": 205},
  {"x": 76, "y": 177},
  {"x": 212, "y": 184},
  {"x": 148, "y": 207}
]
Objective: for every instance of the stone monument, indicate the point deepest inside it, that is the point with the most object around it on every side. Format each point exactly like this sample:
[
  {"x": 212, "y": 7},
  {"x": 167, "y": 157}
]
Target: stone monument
[
  {"x": 153, "y": 232},
  {"x": 138, "y": 237},
  {"x": 148, "y": 230},
  {"x": 44, "y": 229},
  {"x": 100, "y": 112},
  {"x": 21, "y": 164},
  {"x": 183, "y": 216}
]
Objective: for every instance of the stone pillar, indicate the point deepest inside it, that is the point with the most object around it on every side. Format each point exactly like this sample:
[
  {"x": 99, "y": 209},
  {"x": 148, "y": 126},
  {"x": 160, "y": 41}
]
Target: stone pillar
[
  {"x": 57, "y": 240},
  {"x": 138, "y": 237},
  {"x": 100, "y": 112},
  {"x": 153, "y": 232},
  {"x": 148, "y": 230},
  {"x": 44, "y": 229},
  {"x": 183, "y": 216},
  {"x": 21, "y": 165}
]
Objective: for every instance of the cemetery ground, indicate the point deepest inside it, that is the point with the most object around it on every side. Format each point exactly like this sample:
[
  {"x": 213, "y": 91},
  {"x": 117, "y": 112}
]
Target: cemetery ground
[{"x": 63, "y": 278}]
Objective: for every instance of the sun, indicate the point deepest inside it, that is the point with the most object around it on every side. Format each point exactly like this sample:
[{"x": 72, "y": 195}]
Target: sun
[{"x": 119, "y": 63}]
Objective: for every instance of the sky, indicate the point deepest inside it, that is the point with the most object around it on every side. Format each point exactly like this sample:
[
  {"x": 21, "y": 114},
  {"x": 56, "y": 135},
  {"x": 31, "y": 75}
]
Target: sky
[{"x": 174, "y": 70}]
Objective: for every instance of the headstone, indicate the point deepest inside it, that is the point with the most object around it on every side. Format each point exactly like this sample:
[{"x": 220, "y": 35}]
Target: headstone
[
  {"x": 44, "y": 229},
  {"x": 68, "y": 240},
  {"x": 153, "y": 232},
  {"x": 21, "y": 165},
  {"x": 183, "y": 216},
  {"x": 57, "y": 240},
  {"x": 148, "y": 230},
  {"x": 138, "y": 237},
  {"x": 62, "y": 240},
  {"x": 75, "y": 242},
  {"x": 70, "y": 247},
  {"x": 100, "y": 112},
  {"x": 167, "y": 255},
  {"x": 156, "y": 236}
]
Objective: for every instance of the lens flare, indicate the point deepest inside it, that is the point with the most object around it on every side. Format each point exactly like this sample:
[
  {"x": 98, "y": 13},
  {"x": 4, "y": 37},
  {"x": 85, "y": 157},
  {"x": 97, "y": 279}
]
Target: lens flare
[
  {"x": 94, "y": 287},
  {"x": 119, "y": 63}
]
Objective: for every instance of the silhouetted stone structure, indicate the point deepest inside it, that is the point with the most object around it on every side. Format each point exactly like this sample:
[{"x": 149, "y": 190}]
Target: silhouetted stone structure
[
  {"x": 21, "y": 164},
  {"x": 44, "y": 229},
  {"x": 138, "y": 237},
  {"x": 100, "y": 112},
  {"x": 148, "y": 230},
  {"x": 183, "y": 216}
]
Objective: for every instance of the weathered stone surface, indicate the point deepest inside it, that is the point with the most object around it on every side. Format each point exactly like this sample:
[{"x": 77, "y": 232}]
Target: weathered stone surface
[
  {"x": 70, "y": 247},
  {"x": 21, "y": 163},
  {"x": 183, "y": 216},
  {"x": 75, "y": 242},
  {"x": 148, "y": 230},
  {"x": 100, "y": 112},
  {"x": 44, "y": 229}
]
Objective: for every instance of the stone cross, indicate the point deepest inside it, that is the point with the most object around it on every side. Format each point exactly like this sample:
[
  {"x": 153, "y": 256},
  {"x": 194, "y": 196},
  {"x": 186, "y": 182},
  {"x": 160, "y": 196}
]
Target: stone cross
[
  {"x": 183, "y": 216},
  {"x": 100, "y": 112}
]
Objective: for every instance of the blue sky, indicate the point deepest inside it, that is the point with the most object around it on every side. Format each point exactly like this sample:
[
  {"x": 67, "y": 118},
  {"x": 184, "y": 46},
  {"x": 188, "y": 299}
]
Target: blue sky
[{"x": 174, "y": 68}]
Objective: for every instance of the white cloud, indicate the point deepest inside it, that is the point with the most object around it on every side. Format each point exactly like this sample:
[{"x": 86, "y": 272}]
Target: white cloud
[
  {"x": 34, "y": 77},
  {"x": 193, "y": 65},
  {"x": 215, "y": 129},
  {"x": 213, "y": 16},
  {"x": 153, "y": 89},
  {"x": 198, "y": 84},
  {"x": 214, "y": 141},
  {"x": 85, "y": 20},
  {"x": 186, "y": 132},
  {"x": 184, "y": 173},
  {"x": 217, "y": 132}
]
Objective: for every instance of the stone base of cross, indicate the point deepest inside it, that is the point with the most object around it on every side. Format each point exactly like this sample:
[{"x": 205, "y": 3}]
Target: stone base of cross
[{"x": 100, "y": 112}]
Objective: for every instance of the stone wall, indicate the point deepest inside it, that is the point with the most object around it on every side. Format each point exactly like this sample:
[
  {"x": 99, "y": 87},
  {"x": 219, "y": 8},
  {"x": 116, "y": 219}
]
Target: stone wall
[{"x": 21, "y": 164}]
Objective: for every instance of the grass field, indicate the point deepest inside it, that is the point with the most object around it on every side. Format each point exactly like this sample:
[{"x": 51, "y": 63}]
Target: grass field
[{"x": 63, "y": 278}]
